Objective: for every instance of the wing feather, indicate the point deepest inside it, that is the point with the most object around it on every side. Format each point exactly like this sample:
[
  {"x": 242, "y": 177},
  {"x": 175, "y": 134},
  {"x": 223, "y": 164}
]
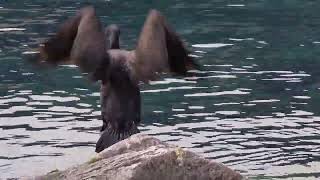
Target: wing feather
[
  {"x": 160, "y": 49},
  {"x": 79, "y": 40}
]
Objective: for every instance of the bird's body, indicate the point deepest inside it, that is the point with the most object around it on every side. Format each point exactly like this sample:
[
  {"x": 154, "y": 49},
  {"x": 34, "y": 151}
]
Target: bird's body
[
  {"x": 159, "y": 49},
  {"x": 120, "y": 100}
]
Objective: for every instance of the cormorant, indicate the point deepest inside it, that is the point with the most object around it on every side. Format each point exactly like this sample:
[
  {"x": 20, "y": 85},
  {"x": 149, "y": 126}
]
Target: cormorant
[{"x": 81, "y": 41}]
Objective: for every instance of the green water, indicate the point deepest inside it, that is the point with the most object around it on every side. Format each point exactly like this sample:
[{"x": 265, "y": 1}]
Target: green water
[{"x": 254, "y": 106}]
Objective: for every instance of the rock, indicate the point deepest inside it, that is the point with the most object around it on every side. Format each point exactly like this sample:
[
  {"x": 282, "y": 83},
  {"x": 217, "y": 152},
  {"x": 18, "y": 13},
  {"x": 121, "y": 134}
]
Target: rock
[{"x": 142, "y": 157}]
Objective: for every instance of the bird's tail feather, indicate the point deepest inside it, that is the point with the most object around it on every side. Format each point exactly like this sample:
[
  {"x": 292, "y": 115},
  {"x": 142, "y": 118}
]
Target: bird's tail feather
[{"x": 110, "y": 137}]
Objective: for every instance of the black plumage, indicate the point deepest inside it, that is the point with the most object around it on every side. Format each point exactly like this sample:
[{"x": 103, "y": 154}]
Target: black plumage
[{"x": 81, "y": 41}]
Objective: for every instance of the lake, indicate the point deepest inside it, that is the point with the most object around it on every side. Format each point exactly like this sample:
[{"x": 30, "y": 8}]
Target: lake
[{"x": 254, "y": 105}]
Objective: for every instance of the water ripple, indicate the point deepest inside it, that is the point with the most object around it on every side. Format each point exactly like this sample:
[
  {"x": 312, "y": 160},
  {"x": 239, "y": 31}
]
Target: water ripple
[
  {"x": 234, "y": 92},
  {"x": 53, "y": 98}
]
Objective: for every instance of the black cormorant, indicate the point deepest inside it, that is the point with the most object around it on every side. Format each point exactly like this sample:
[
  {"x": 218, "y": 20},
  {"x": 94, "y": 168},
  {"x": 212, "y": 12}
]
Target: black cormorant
[{"x": 82, "y": 41}]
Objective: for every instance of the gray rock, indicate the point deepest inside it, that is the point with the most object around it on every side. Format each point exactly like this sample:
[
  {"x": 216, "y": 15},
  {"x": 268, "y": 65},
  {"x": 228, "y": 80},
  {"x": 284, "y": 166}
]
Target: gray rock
[{"x": 142, "y": 157}]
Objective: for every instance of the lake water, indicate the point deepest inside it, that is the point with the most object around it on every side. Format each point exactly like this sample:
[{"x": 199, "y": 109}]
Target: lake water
[{"x": 254, "y": 106}]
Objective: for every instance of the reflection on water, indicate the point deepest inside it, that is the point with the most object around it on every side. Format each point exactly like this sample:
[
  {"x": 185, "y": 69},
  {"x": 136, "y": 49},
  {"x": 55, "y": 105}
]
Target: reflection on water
[{"x": 253, "y": 106}]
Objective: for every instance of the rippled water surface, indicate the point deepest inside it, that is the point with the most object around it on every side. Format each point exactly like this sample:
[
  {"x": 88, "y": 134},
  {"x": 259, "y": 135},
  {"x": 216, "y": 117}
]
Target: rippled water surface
[{"x": 254, "y": 106}]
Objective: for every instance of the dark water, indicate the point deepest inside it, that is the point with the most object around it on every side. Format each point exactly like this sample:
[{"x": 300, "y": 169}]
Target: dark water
[{"x": 254, "y": 106}]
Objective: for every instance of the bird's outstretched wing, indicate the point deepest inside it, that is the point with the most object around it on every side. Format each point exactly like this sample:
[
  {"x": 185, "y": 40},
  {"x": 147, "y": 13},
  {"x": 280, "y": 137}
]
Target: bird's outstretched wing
[
  {"x": 80, "y": 40},
  {"x": 159, "y": 49}
]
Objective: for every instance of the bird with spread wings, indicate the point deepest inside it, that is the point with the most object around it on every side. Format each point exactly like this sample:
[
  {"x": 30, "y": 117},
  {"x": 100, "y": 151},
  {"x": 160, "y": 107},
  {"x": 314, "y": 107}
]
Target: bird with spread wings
[{"x": 81, "y": 40}]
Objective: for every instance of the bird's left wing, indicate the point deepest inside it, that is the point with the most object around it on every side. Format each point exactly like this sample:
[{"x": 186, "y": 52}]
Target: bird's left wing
[{"x": 80, "y": 40}]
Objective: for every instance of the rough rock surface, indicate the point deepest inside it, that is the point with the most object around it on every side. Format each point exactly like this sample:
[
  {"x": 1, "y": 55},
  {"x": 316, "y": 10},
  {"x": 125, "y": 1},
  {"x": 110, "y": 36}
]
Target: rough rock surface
[{"x": 142, "y": 157}]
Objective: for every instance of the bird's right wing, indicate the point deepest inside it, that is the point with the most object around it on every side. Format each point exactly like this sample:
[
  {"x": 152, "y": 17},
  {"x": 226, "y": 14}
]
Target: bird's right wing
[
  {"x": 160, "y": 49},
  {"x": 80, "y": 40}
]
